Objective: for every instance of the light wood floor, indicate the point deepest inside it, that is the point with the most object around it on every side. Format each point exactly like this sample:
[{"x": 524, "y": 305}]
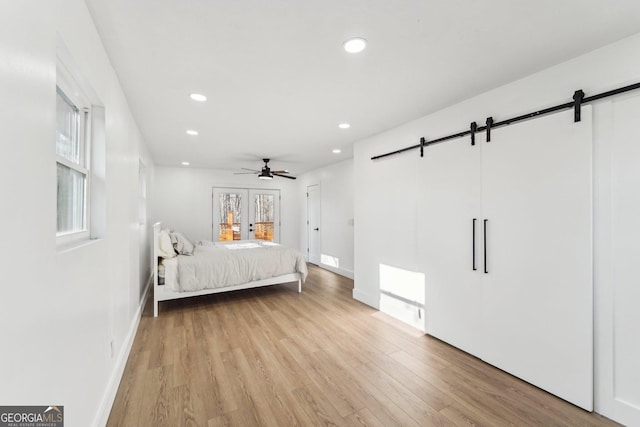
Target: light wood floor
[{"x": 274, "y": 357}]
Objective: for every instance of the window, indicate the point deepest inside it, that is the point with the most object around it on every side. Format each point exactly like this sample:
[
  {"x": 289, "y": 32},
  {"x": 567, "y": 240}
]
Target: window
[
  {"x": 72, "y": 162},
  {"x": 80, "y": 147}
]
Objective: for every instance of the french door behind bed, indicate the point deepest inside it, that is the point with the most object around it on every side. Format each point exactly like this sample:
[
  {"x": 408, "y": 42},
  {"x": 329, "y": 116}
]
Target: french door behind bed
[{"x": 246, "y": 213}]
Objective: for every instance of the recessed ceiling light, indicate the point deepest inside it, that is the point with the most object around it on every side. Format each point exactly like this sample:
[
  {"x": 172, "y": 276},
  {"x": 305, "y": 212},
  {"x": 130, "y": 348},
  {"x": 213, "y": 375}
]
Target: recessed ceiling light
[
  {"x": 192, "y": 132},
  {"x": 336, "y": 151},
  {"x": 344, "y": 125},
  {"x": 185, "y": 163},
  {"x": 198, "y": 97},
  {"x": 355, "y": 45}
]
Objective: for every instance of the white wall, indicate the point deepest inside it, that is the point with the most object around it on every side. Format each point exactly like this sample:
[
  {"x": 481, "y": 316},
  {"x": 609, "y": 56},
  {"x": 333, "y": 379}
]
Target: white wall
[
  {"x": 336, "y": 218},
  {"x": 397, "y": 182},
  {"x": 183, "y": 200},
  {"x": 61, "y": 310}
]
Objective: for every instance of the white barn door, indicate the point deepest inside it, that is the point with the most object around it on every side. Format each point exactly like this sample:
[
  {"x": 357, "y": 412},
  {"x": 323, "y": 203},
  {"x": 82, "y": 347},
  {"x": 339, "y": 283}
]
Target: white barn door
[
  {"x": 537, "y": 294},
  {"x": 450, "y": 226}
]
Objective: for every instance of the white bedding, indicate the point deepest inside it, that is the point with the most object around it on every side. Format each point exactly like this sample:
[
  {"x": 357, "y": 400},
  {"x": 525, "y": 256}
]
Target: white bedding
[{"x": 220, "y": 264}]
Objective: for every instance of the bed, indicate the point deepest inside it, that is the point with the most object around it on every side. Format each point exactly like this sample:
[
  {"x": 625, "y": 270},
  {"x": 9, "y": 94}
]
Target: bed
[{"x": 182, "y": 269}]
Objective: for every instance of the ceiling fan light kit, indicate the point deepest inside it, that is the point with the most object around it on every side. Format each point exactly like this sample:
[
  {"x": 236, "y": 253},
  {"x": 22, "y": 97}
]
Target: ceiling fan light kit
[{"x": 265, "y": 175}]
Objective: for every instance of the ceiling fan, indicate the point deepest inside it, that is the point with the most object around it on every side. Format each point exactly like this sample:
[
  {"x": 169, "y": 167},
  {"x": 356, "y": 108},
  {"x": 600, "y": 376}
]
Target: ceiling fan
[{"x": 266, "y": 172}]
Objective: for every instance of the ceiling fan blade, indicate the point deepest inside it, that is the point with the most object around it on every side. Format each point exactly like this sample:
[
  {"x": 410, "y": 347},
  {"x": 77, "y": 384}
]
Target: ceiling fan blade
[
  {"x": 284, "y": 176},
  {"x": 265, "y": 172}
]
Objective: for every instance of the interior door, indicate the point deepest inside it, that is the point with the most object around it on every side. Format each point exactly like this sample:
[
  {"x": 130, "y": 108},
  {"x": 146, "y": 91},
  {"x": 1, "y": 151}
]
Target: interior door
[
  {"x": 451, "y": 193},
  {"x": 313, "y": 223},
  {"x": 537, "y": 316},
  {"x": 264, "y": 215}
]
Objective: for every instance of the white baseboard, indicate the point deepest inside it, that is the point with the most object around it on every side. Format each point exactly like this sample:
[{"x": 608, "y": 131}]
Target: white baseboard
[
  {"x": 121, "y": 362},
  {"x": 620, "y": 411},
  {"x": 340, "y": 271},
  {"x": 370, "y": 300}
]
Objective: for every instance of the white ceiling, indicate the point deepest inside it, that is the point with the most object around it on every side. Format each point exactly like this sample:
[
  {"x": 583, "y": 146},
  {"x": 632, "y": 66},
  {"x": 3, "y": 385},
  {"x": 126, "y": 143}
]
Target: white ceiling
[{"x": 278, "y": 81}]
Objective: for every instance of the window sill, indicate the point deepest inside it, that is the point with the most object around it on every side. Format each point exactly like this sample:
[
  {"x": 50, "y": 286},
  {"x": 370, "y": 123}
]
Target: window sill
[{"x": 73, "y": 245}]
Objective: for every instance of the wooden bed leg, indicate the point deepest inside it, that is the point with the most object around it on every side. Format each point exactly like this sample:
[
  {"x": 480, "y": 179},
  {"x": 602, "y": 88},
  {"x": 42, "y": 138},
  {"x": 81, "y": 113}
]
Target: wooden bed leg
[
  {"x": 299, "y": 285},
  {"x": 155, "y": 309}
]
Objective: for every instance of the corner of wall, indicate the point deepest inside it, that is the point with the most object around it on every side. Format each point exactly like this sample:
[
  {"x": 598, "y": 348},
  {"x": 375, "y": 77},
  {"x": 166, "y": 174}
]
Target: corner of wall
[{"x": 370, "y": 300}]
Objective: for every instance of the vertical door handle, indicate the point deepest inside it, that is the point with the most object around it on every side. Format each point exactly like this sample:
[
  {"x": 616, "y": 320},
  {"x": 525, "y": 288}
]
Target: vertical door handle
[
  {"x": 485, "y": 246},
  {"x": 473, "y": 244}
]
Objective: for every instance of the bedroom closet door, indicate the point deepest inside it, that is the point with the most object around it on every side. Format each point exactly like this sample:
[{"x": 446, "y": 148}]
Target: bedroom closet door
[
  {"x": 537, "y": 316},
  {"x": 451, "y": 200}
]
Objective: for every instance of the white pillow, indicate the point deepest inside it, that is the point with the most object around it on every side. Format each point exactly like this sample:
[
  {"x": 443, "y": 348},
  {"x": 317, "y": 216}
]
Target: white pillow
[
  {"x": 181, "y": 244},
  {"x": 165, "y": 247}
]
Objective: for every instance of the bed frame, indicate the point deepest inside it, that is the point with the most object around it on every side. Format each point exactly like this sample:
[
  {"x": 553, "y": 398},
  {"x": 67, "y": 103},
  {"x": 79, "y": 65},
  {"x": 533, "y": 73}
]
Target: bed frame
[{"x": 163, "y": 293}]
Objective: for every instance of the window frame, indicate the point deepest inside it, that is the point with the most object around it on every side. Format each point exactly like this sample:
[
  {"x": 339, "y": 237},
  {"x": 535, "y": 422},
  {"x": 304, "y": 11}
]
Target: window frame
[{"x": 70, "y": 90}]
